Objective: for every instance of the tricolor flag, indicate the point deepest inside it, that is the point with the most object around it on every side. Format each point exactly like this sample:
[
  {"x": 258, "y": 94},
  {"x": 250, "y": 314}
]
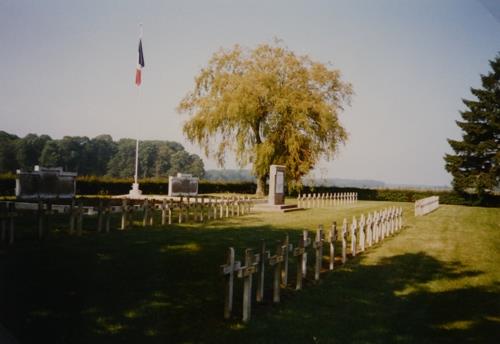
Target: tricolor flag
[{"x": 140, "y": 66}]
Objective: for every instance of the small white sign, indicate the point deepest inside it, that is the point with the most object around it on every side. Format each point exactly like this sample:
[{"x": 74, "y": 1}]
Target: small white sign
[{"x": 279, "y": 182}]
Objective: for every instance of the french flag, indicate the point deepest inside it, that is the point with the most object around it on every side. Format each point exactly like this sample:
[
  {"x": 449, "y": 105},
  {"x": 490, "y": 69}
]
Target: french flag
[{"x": 140, "y": 65}]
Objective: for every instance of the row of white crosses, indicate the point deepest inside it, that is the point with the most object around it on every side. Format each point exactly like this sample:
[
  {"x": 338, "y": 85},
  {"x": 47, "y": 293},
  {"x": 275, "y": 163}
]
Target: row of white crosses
[
  {"x": 208, "y": 208},
  {"x": 371, "y": 229},
  {"x": 364, "y": 233},
  {"x": 198, "y": 209},
  {"x": 426, "y": 205},
  {"x": 318, "y": 200}
]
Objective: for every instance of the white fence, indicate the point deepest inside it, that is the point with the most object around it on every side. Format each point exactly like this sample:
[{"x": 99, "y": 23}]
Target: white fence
[{"x": 426, "y": 205}]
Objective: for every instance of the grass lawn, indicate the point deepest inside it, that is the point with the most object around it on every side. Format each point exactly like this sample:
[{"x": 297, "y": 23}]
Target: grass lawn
[{"x": 438, "y": 280}]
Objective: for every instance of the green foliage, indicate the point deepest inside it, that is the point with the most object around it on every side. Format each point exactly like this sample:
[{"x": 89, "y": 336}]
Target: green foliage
[
  {"x": 102, "y": 149},
  {"x": 91, "y": 185},
  {"x": 51, "y": 155},
  {"x": 29, "y": 149},
  {"x": 476, "y": 162},
  {"x": 123, "y": 161},
  {"x": 7, "y": 152},
  {"x": 98, "y": 156},
  {"x": 269, "y": 106},
  {"x": 156, "y": 159}
]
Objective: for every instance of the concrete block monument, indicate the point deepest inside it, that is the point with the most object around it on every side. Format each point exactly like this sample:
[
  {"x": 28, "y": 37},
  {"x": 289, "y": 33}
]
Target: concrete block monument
[
  {"x": 277, "y": 185},
  {"x": 45, "y": 183},
  {"x": 183, "y": 185},
  {"x": 276, "y": 198},
  {"x": 426, "y": 205}
]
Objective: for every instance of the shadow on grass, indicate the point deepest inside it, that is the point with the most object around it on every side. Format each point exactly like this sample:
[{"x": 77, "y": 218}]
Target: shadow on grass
[
  {"x": 164, "y": 286},
  {"x": 142, "y": 285},
  {"x": 384, "y": 303}
]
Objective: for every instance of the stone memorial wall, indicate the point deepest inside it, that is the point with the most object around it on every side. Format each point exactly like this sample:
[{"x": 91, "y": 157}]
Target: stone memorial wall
[
  {"x": 45, "y": 183},
  {"x": 182, "y": 185},
  {"x": 426, "y": 205}
]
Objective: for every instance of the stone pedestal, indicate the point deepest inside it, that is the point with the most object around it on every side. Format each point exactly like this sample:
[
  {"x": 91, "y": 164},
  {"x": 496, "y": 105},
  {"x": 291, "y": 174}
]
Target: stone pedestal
[
  {"x": 276, "y": 185},
  {"x": 135, "y": 192}
]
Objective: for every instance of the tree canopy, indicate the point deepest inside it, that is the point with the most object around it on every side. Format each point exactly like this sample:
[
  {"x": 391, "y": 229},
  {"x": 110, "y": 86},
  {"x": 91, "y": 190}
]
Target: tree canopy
[
  {"x": 269, "y": 106},
  {"x": 98, "y": 156},
  {"x": 476, "y": 162}
]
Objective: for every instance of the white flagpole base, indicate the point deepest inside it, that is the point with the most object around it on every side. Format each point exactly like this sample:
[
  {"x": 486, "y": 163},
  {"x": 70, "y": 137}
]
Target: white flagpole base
[{"x": 135, "y": 192}]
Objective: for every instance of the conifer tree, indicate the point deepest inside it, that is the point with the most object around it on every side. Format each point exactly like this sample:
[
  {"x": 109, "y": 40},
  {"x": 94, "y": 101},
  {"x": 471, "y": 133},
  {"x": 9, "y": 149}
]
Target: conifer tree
[{"x": 475, "y": 164}]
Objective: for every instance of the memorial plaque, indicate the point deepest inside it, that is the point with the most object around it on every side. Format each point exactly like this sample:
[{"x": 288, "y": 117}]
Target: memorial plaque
[
  {"x": 45, "y": 183},
  {"x": 183, "y": 185},
  {"x": 280, "y": 179},
  {"x": 276, "y": 185}
]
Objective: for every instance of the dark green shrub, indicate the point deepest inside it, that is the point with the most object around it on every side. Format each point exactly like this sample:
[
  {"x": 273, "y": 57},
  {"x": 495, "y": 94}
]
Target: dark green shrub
[{"x": 120, "y": 186}]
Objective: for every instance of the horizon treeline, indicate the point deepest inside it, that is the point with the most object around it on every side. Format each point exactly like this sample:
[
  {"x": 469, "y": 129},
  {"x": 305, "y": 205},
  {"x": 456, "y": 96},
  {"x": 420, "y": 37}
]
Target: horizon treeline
[{"x": 98, "y": 156}]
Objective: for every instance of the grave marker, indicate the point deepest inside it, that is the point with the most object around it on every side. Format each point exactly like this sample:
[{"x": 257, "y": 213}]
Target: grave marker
[
  {"x": 344, "y": 241},
  {"x": 318, "y": 246},
  {"x": 301, "y": 254},
  {"x": 246, "y": 273},
  {"x": 228, "y": 271},
  {"x": 264, "y": 255},
  {"x": 362, "y": 235},
  {"x": 287, "y": 247},
  {"x": 369, "y": 232},
  {"x": 354, "y": 226},
  {"x": 331, "y": 237},
  {"x": 125, "y": 210},
  {"x": 276, "y": 261},
  {"x": 164, "y": 212},
  {"x": 375, "y": 226}
]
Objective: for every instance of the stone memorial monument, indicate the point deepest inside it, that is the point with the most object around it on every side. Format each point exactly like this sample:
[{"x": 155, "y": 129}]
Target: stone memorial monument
[
  {"x": 183, "y": 185},
  {"x": 277, "y": 185},
  {"x": 45, "y": 183},
  {"x": 276, "y": 198}
]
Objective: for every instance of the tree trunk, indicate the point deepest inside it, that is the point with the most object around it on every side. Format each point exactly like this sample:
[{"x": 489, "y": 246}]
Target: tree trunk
[{"x": 261, "y": 184}]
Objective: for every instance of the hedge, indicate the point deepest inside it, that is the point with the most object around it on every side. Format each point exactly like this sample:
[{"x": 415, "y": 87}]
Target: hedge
[
  {"x": 120, "y": 186},
  {"x": 114, "y": 186}
]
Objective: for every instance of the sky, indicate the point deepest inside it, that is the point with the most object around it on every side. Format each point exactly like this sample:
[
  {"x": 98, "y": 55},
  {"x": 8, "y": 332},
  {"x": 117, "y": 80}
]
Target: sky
[{"x": 69, "y": 69}]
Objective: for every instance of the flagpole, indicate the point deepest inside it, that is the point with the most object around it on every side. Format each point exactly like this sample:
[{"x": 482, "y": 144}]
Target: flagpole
[
  {"x": 136, "y": 192},
  {"x": 136, "y": 160},
  {"x": 137, "y": 141}
]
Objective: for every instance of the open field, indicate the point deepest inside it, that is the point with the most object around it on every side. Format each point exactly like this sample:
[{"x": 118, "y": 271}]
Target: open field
[{"x": 438, "y": 280}]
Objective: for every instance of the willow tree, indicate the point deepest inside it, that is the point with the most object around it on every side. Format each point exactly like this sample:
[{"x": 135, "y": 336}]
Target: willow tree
[{"x": 268, "y": 106}]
